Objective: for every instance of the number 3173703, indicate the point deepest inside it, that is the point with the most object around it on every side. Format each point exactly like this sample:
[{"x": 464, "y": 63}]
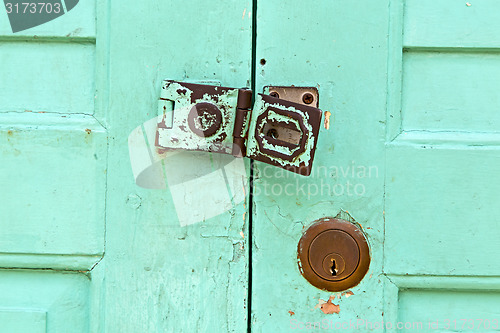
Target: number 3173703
[{"x": 33, "y": 7}]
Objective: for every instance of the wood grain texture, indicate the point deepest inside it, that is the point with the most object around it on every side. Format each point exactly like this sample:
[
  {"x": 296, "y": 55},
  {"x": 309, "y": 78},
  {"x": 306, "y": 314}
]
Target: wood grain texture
[
  {"x": 47, "y": 76},
  {"x": 449, "y": 308},
  {"x": 450, "y": 23},
  {"x": 44, "y": 301},
  {"x": 450, "y": 91},
  {"x": 442, "y": 210},
  {"x": 53, "y": 176}
]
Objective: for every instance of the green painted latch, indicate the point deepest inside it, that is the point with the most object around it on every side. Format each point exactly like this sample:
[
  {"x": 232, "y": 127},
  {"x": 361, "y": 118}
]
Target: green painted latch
[{"x": 218, "y": 119}]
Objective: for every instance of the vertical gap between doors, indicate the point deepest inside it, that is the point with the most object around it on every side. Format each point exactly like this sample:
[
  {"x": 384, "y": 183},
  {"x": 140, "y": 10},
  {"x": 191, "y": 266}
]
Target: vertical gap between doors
[{"x": 250, "y": 199}]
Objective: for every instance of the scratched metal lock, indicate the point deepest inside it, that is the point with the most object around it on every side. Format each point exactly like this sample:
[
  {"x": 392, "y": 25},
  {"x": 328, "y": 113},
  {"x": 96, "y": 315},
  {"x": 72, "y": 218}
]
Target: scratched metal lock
[
  {"x": 333, "y": 254},
  {"x": 220, "y": 119}
]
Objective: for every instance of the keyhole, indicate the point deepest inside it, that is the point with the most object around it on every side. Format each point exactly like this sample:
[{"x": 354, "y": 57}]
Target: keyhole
[
  {"x": 273, "y": 133},
  {"x": 333, "y": 269}
]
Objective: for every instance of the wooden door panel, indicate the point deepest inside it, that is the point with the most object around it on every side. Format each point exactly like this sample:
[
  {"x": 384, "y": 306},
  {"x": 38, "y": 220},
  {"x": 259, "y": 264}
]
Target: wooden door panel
[
  {"x": 441, "y": 161},
  {"x": 52, "y": 173},
  {"x": 44, "y": 301},
  {"x": 53, "y": 190},
  {"x": 448, "y": 23},
  {"x": 450, "y": 91},
  {"x": 160, "y": 275},
  {"x": 441, "y": 209},
  {"x": 48, "y": 76},
  {"x": 339, "y": 47},
  {"x": 438, "y": 160},
  {"x": 54, "y": 147},
  {"x": 428, "y": 309}
]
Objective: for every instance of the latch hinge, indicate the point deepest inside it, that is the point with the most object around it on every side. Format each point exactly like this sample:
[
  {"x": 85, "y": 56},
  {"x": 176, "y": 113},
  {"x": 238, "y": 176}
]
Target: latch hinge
[{"x": 241, "y": 120}]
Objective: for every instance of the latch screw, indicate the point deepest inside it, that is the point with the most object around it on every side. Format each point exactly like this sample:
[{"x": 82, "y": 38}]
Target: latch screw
[
  {"x": 274, "y": 94},
  {"x": 307, "y": 98}
]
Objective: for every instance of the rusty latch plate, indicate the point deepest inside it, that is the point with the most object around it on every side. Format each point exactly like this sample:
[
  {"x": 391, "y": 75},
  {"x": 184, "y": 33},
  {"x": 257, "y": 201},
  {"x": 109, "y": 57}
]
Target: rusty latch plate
[
  {"x": 301, "y": 95},
  {"x": 202, "y": 117},
  {"x": 222, "y": 120},
  {"x": 283, "y": 134}
]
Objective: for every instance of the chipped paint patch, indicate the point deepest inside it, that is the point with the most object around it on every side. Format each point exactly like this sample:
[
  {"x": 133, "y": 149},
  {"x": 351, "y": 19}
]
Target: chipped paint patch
[
  {"x": 291, "y": 313},
  {"x": 327, "y": 119},
  {"x": 328, "y": 307},
  {"x": 320, "y": 303}
]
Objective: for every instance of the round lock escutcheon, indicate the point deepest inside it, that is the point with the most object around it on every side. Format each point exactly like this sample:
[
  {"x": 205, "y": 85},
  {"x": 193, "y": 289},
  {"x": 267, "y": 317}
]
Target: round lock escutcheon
[
  {"x": 333, "y": 254},
  {"x": 204, "y": 119}
]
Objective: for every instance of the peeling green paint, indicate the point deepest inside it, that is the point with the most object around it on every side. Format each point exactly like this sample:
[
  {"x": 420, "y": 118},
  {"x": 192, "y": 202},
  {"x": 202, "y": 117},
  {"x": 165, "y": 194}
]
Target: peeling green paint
[
  {"x": 256, "y": 129},
  {"x": 179, "y": 136}
]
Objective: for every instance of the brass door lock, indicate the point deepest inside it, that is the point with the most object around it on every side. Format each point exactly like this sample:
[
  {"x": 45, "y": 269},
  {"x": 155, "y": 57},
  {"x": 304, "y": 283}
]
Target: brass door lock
[{"x": 333, "y": 254}]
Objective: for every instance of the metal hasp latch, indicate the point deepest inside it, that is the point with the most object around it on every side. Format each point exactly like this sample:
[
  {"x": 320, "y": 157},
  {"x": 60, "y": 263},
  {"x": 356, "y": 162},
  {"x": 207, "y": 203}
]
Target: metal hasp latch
[{"x": 220, "y": 119}]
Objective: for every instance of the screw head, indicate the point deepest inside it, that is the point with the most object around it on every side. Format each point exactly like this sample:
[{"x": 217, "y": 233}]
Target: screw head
[
  {"x": 307, "y": 98},
  {"x": 274, "y": 94}
]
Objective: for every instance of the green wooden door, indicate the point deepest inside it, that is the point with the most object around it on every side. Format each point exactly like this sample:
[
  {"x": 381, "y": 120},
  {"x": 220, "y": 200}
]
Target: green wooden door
[
  {"x": 410, "y": 156},
  {"x": 53, "y": 171},
  {"x": 340, "y": 47},
  {"x": 160, "y": 276}
]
